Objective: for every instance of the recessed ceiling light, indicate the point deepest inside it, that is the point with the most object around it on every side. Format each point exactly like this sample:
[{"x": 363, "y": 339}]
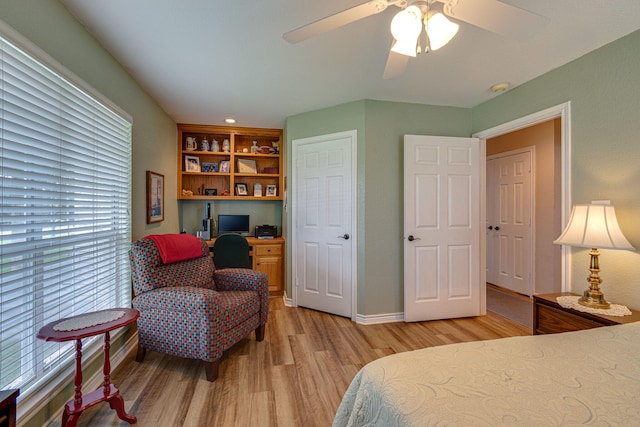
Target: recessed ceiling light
[
  {"x": 230, "y": 120},
  {"x": 499, "y": 87}
]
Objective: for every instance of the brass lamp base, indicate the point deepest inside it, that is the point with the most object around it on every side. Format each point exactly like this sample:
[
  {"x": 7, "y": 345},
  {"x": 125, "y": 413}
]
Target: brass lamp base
[
  {"x": 593, "y": 300},
  {"x": 593, "y": 297}
]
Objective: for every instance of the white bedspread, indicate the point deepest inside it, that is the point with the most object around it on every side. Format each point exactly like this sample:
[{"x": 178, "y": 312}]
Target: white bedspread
[{"x": 588, "y": 377}]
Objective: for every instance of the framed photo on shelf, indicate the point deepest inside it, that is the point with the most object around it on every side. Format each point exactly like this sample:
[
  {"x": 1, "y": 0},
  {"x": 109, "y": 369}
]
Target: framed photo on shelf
[
  {"x": 209, "y": 167},
  {"x": 155, "y": 197},
  {"x": 224, "y": 166},
  {"x": 257, "y": 190},
  {"x": 271, "y": 191},
  {"x": 247, "y": 166},
  {"x": 241, "y": 189},
  {"x": 210, "y": 191},
  {"x": 191, "y": 164}
]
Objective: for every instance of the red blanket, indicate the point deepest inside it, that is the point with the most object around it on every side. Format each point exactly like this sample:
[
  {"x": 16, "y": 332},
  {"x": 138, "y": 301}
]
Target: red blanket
[{"x": 177, "y": 247}]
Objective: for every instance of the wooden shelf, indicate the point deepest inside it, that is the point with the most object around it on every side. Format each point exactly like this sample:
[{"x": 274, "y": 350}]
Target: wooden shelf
[{"x": 239, "y": 139}]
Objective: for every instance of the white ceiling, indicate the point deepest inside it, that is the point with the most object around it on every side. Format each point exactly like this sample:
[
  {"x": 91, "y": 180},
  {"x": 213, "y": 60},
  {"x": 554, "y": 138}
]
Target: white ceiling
[{"x": 204, "y": 60}]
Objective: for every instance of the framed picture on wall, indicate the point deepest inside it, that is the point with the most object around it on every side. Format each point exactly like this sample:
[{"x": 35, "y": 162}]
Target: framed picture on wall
[{"x": 155, "y": 197}]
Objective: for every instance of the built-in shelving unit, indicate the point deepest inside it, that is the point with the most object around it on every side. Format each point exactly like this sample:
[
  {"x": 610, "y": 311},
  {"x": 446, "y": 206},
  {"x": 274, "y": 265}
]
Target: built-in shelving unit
[{"x": 254, "y": 157}]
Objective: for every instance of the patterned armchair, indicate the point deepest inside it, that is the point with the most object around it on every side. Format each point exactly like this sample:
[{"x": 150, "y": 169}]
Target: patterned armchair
[{"x": 189, "y": 309}]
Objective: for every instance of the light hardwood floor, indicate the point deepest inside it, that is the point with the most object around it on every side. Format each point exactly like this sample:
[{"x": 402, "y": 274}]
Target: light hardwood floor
[{"x": 295, "y": 377}]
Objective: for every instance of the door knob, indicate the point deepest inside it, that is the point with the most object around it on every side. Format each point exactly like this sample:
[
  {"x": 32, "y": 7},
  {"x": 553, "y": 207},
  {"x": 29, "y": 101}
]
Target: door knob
[
  {"x": 497, "y": 228},
  {"x": 345, "y": 236},
  {"x": 411, "y": 238},
  {"x": 490, "y": 227}
]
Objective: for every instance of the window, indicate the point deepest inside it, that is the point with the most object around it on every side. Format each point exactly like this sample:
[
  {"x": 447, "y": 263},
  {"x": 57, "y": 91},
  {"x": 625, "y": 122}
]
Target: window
[{"x": 65, "y": 180}]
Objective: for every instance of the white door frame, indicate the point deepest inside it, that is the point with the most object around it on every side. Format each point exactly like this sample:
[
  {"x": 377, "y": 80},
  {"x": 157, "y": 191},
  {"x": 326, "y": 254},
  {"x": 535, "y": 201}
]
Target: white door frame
[
  {"x": 563, "y": 111},
  {"x": 353, "y": 136}
]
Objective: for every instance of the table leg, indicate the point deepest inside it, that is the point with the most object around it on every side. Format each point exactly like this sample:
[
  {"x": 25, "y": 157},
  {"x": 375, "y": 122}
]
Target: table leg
[
  {"x": 116, "y": 402},
  {"x": 106, "y": 370},
  {"x": 70, "y": 417},
  {"x": 77, "y": 381}
]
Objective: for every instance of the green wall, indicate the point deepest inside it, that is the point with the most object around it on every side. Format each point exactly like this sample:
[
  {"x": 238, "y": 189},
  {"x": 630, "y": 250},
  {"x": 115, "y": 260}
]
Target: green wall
[
  {"x": 380, "y": 126},
  {"x": 322, "y": 122},
  {"x": 49, "y": 26},
  {"x": 604, "y": 90}
]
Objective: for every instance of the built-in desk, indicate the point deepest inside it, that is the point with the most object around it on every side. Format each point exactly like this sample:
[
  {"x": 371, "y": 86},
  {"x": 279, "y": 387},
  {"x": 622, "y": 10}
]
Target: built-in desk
[{"x": 267, "y": 255}]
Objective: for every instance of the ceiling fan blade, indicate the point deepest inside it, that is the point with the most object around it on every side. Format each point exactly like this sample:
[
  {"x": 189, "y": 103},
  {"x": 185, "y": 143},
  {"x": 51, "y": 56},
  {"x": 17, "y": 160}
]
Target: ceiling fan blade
[
  {"x": 335, "y": 21},
  {"x": 396, "y": 64},
  {"x": 497, "y": 17}
]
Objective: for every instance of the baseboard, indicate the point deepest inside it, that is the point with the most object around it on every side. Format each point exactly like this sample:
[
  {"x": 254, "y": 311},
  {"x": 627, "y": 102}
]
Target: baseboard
[
  {"x": 288, "y": 302},
  {"x": 361, "y": 318},
  {"x": 373, "y": 319}
]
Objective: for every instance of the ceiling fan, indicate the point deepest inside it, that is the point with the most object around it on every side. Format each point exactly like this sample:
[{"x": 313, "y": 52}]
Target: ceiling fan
[{"x": 406, "y": 26}]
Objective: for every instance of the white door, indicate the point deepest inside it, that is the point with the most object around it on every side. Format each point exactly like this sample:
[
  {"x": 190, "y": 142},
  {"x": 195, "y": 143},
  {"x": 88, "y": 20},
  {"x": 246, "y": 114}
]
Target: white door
[
  {"x": 442, "y": 236},
  {"x": 324, "y": 221},
  {"x": 509, "y": 221}
]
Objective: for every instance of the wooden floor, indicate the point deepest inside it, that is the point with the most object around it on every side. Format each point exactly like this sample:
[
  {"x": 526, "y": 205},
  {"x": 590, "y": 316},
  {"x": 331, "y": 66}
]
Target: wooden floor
[
  {"x": 510, "y": 304},
  {"x": 295, "y": 377}
]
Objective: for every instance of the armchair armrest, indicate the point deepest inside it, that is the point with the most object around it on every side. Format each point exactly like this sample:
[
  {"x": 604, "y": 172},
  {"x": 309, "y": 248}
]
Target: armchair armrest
[
  {"x": 244, "y": 279},
  {"x": 241, "y": 279}
]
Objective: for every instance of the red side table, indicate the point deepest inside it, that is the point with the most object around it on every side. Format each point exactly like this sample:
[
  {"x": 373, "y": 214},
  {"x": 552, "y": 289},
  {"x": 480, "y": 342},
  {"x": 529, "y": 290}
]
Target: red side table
[{"x": 109, "y": 393}]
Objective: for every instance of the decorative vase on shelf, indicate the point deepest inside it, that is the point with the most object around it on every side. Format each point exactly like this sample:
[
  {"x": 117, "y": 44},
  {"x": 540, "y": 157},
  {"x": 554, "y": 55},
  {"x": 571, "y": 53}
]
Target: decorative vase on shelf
[
  {"x": 254, "y": 147},
  {"x": 215, "y": 146},
  {"x": 204, "y": 144},
  {"x": 226, "y": 146}
]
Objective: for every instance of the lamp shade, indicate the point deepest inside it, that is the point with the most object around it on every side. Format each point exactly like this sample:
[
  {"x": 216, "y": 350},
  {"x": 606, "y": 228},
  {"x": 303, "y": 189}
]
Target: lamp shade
[
  {"x": 594, "y": 226},
  {"x": 440, "y": 30},
  {"x": 405, "y": 28}
]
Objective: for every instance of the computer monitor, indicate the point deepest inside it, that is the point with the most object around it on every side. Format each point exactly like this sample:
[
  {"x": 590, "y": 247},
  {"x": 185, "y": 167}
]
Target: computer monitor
[{"x": 233, "y": 224}]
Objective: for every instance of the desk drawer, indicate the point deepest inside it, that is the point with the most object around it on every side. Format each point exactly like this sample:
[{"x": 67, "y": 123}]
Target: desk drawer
[{"x": 267, "y": 250}]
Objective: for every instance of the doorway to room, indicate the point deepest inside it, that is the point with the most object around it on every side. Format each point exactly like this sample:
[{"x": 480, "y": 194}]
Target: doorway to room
[
  {"x": 549, "y": 132},
  {"x": 510, "y": 219},
  {"x": 543, "y": 219}
]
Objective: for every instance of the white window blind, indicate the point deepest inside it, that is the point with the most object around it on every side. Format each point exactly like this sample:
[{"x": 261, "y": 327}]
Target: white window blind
[{"x": 65, "y": 180}]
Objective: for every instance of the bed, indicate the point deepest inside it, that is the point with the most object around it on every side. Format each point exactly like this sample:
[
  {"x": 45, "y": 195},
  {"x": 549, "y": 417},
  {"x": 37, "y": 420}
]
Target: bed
[{"x": 587, "y": 377}]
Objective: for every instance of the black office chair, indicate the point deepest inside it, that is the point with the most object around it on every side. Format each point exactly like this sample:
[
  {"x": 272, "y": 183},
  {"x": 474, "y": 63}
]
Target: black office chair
[{"x": 231, "y": 251}]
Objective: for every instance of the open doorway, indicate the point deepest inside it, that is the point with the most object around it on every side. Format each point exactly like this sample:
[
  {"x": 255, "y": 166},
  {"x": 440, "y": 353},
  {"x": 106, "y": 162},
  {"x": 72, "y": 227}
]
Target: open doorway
[{"x": 548, "y": 132}]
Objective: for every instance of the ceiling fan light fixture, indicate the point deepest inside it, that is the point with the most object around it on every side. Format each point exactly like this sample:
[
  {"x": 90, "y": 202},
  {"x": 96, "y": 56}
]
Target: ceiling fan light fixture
[
  {"x": 406, "y": 27},
  {"x": 439, "y": 30},
  {"x": 406, "y": 47}
]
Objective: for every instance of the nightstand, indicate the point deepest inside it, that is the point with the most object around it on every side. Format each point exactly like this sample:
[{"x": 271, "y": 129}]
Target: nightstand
[
  {"x": 8, "y": 407},
  {"x": 549, "y": 317}
]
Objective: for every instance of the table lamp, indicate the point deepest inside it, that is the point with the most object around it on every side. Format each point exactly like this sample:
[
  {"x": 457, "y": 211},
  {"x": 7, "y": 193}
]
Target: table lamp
[{"x": 594, "y": 226}]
